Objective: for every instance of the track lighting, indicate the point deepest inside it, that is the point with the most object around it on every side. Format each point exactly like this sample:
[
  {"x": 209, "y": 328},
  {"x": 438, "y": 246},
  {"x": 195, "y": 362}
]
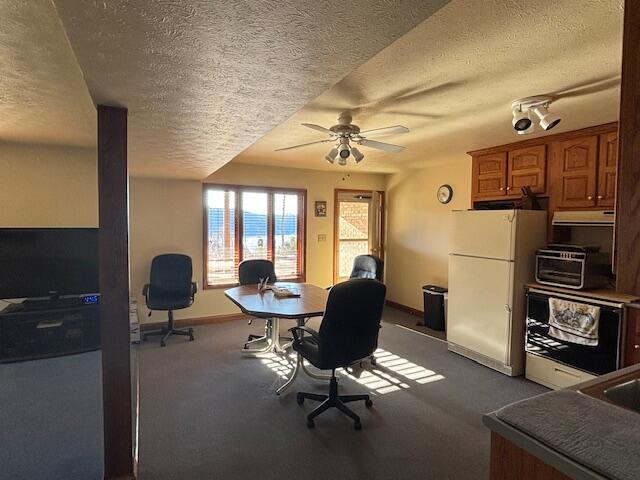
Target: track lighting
[
  {"x": 547, "y": 119},
  {"x": 521, "y": 121},
  {"x": 357, "y": 154},
  {"x": 522, "y": 114}
]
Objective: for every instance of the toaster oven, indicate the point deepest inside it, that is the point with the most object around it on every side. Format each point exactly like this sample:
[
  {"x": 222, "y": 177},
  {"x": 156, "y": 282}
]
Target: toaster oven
[{"x": 572, "y": 266}]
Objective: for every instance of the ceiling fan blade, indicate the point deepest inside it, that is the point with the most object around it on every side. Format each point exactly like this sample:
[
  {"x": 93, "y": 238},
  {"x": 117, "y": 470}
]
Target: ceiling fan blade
[
  {"x": 378, "y": 132},
  {"x": 318, "y": 128},
  {"x": 387, "y": 147},
  {"x": 304, "y": 145}
]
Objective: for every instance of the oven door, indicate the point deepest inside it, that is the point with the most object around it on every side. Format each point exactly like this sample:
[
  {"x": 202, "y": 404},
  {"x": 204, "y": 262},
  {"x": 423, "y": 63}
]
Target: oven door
[{"x": 597, "y": 360}]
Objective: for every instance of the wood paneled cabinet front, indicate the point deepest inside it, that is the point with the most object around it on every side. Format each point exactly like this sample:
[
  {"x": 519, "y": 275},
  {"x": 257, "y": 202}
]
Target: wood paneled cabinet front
[
  {"x": 527, "y": 167},
  {"x": 607, "y": 168},
  {"x": 586, "y": 171},
  {"x": 503, "y": 174},
  {"x": 489, "y": 175}
]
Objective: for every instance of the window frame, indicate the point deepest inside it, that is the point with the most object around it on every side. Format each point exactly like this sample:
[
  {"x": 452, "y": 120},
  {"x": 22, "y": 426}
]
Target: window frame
[{"x": 238, "y": 228}]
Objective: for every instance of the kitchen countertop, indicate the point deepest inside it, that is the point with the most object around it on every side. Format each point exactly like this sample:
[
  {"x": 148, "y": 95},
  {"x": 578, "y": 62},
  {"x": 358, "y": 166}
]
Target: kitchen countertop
[
  {"x": 578, "y": 435},
  {"x": 606, "y": 294}
]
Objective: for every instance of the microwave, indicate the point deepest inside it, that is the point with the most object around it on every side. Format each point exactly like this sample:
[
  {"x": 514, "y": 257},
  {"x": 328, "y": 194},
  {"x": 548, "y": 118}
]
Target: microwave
[{"x": 572, "y": 266}]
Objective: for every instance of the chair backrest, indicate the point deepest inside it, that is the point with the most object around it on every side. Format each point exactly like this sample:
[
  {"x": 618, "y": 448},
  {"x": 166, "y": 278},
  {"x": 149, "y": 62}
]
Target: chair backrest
[
  {"x": 251, "y": 271},
  {"x": 349, "y": 328},
  {"x": 367, "y": 266},
  {"x": 171, "y": 276}
]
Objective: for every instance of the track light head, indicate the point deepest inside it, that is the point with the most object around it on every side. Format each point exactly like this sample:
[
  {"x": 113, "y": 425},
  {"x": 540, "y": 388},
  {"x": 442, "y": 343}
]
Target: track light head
[
  {"x": 521, "y": 121},
  {"x": 358, "y": 156},
  {"x": 548, "y": 120},
  {"x": 331, "y": 156}
]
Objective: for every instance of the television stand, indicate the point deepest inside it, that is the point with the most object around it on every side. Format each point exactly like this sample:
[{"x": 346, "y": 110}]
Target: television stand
[{"x": 41, "y": 329}]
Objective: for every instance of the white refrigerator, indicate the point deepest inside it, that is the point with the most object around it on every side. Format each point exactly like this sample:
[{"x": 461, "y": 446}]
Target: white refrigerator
[{"x": 492, "y": 257}]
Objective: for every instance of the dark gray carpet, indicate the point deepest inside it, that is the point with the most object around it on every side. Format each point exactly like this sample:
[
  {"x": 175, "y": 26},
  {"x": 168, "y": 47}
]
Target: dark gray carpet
[
  {"x": 207, "y": 412},
  {"x": 51, "y": 419}
]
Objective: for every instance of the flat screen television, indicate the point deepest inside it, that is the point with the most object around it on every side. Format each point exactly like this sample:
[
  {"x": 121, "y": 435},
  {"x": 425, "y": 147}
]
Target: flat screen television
[{"x": 41, "y": 262}]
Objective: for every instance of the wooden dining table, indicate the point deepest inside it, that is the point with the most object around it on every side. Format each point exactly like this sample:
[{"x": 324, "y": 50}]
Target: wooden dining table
[{"x": 310, "y": 303}]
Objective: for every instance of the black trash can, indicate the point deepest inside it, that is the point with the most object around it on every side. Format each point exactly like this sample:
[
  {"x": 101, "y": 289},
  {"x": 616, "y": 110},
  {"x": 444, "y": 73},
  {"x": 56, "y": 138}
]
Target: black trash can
[{"x": 433, "y": 307}]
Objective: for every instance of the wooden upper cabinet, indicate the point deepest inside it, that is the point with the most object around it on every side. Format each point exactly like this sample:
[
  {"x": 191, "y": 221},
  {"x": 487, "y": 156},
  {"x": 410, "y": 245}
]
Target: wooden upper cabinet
[
  {"x": 576, "y": 164},
  {"x": 527, "y": 167},
  {"x": 607, "y": 166},
  {"x": 489, "y": 175}
]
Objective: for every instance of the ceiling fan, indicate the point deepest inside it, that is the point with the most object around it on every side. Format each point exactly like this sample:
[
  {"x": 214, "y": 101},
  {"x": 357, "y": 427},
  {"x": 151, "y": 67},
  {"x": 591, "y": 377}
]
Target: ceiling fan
[{"x": 345, "y": 133}]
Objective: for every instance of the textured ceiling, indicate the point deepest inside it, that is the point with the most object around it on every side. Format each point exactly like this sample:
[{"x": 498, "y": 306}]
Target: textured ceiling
[
  {"x": 43, "y": 97},
  {"x": 204, "y": 79},
  {"x": 451, "y": 80}
]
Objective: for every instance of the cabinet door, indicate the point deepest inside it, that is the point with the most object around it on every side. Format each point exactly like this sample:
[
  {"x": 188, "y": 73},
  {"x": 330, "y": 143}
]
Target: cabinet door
[
  {"x": 489, "y": 175},
  {"x": 607, "y": 166},
  {"x": 576, "y": 163},
  {"x": 527, "y": 167}
]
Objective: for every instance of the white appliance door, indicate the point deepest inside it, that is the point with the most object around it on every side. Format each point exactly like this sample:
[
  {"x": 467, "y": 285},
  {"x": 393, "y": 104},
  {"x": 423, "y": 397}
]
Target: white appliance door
[
  {"x": 484, "y": 233},
  {"x": 479, "y": 316}
]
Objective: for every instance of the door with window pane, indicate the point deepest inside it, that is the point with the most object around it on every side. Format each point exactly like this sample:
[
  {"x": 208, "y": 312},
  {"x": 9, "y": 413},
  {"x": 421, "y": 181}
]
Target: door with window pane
[{"x": 357, "y": 230}]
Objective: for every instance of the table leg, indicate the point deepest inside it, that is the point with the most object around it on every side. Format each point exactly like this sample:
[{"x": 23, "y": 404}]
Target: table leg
[{"x": 294, "y": 374}]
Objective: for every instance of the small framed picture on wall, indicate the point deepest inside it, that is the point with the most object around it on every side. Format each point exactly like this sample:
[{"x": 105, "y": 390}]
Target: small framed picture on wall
[{"x": 321, "y": 208}]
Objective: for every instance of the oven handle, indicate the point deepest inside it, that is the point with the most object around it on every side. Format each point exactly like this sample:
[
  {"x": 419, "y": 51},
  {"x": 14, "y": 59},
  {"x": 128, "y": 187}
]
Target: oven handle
[{"x": 579, "y": 299}]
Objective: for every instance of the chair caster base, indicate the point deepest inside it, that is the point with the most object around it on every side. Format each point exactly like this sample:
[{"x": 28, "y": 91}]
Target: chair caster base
[{"x": 333, "y": 400}]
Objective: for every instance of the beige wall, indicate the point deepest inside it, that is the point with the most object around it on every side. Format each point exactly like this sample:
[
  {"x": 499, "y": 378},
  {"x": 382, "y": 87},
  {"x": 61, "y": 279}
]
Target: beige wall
[
  {"x": 166, "y": 216},
  {"x": 47, "y": 186},
  {"x": 419, "y": 227}
]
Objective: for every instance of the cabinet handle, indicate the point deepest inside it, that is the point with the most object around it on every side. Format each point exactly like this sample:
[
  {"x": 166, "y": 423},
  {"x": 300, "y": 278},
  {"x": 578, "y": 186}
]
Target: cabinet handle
[
  {"x": 589, "y": 197},
  {"x": 508, "y": 188},
  {"x": 600, "y": 197},
  {"x": 636, "y": 347},
  {"x": 501, "y": 189}
]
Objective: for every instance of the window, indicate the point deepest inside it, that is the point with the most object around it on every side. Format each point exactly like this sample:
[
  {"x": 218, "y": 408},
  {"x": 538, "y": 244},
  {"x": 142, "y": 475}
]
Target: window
[{"x": 243, "y": 223}]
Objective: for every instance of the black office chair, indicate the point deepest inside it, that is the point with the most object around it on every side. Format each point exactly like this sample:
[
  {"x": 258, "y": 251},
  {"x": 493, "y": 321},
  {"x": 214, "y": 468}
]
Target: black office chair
[
  {"x": 348, "y": 333},
  {"x": 170, "y": 288},
  {"x": 367, "y": 266},
  {"x": 250, "y": 272}
]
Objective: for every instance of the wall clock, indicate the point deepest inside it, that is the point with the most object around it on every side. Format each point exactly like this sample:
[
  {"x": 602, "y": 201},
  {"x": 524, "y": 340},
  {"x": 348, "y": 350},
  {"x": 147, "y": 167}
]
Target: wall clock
[{"x": 445, "y": 194}]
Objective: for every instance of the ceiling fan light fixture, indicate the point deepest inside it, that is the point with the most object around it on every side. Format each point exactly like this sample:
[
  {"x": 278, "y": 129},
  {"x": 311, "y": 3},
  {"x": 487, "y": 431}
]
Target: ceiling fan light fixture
[
  {"x": 342, "y": 161},
  {"x": 331, "y": 156},
  {"x": 344, "y": 150},
  {"x": 358, "y": 156}
]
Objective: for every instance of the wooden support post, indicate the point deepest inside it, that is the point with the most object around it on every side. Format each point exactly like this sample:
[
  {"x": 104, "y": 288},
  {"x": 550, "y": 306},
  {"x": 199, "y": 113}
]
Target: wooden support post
[
  {"x": 114, "y": 289},
  {"x": 628, "y": 191},
  {"x": 628, "y": 194}
]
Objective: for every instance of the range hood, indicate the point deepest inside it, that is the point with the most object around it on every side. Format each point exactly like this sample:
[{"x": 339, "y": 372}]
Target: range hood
[{"x": 584, "y": 218}]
